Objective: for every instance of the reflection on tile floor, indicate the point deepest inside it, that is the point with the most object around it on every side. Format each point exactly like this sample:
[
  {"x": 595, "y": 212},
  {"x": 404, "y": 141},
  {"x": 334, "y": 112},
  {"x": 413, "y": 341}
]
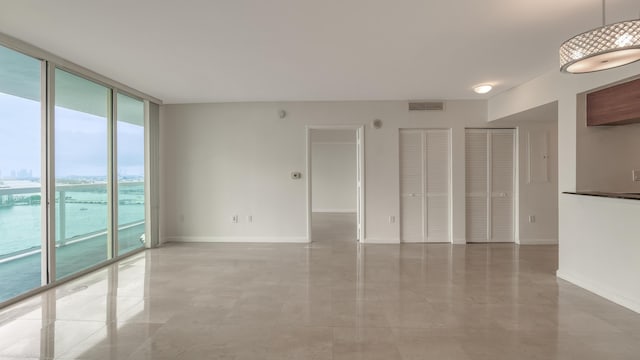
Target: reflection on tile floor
[{"x": 328, "y": 300}]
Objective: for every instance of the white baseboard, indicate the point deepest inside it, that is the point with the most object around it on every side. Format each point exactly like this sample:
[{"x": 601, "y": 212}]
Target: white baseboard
[
  {"x": 459, "y": 241},
  {"x": 380, "y": 241},
  {"x": 538, "y": 241},
  {"x": 334, "y": 210},
  {"x": 424, "y": 242},
  {"x": 237, "y": 239},
  {"x": 411, "y": 242},
  {"x": 456, "y": 241},
  {"x": 601, "y": 290}
]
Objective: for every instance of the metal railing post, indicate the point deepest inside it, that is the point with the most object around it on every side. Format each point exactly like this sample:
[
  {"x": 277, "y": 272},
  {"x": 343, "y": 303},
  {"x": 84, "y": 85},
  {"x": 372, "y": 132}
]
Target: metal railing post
[{"x": 62, "y": 215}]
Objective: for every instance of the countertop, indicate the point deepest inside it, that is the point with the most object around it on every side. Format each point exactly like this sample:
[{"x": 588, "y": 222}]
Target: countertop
[{"x": 630, "y": 196}]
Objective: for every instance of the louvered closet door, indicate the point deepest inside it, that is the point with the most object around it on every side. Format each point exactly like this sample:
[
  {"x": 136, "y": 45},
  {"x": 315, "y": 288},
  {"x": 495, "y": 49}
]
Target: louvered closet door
[
  {"x": 424, "y": 185},
  {"x": 489, "y": 182},
  {"x": 502, "y": 177},
  {"x": 476, "y": 158},
  {"x": 437, "y": 185},
  {"x": 411, "y": 186},
  {"x": 359, "y": 132}
]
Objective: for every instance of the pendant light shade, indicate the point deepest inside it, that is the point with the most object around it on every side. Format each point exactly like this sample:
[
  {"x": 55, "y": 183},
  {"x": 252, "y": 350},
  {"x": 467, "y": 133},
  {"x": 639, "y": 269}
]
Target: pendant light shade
[{"x": 603, "y": 48}]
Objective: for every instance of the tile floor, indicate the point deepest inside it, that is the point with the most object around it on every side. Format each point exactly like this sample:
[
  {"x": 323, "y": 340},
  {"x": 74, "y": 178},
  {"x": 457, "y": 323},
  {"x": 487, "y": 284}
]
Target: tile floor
[{"x": 329, "y": 300}]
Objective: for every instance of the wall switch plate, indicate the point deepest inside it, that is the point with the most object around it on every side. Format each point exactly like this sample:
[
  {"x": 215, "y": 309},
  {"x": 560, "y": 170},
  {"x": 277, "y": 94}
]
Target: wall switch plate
[
  {"x": 392, "y": 219},
  {"x": 532, "y": 218},
  {"x": 636, "y": 175},
  {"x": 250, "y": 219},
  {"x": 234, "y": 219},
  {"x": 296, "y": 175}
]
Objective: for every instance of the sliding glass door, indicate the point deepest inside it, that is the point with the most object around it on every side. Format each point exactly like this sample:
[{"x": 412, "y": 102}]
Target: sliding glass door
[
  {"x": 130, "y": 174},
  {"x": 20, "y": 163},
  {"x": 82, "y": 110}
]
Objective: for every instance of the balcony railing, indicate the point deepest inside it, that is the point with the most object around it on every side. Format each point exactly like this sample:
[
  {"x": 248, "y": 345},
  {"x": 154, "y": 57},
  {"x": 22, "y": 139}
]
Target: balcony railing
[
  {"x": 86, "y": 244},
  {"x": 16, "y": 197}
]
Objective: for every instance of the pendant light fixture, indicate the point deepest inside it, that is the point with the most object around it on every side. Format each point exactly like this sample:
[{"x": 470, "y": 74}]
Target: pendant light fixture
[{"x": 603, "y": 48}]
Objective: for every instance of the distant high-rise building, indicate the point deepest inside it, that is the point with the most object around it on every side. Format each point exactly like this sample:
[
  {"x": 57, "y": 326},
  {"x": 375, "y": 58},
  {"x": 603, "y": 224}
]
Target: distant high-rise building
[{"x": 24, "y": 174}]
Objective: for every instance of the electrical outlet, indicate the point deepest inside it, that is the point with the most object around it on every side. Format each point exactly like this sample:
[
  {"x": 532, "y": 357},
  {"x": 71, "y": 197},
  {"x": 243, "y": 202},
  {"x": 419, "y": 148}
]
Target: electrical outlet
[
  {"x": 392, "y": 219},
  {"x": 636, "y": 175},
  {"x": 532, "y": 218}
]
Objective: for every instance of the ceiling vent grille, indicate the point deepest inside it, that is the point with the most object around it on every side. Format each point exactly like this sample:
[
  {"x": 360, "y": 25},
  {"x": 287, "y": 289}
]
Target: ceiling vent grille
[{"x": 426, "y": 106}]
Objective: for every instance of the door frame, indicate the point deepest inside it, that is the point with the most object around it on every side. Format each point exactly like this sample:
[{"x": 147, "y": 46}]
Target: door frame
[{"x": 360, "y": 209}]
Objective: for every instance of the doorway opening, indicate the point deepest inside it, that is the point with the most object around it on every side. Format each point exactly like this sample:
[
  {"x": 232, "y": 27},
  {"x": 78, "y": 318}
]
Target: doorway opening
[{"x": 335, "y": 186}]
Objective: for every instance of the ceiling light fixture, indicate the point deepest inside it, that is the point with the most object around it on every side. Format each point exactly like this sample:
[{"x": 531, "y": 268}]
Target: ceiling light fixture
[
  {"x": 483, "y": 89},
  {"x": 603, "y": 48}
]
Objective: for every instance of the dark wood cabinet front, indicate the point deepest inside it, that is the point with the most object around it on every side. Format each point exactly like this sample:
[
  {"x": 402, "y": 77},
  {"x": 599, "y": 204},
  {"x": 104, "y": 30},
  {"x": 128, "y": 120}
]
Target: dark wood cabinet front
[{"x": 616, "y": 105}]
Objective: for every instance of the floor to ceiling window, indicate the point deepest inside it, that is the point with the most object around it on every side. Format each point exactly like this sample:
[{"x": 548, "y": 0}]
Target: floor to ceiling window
[
  {"x": 130, "y": 174},
  {"x": 81, "y": 171},
  {"x": 73, "y": 146},
  {"x": 20, "y": 162}
]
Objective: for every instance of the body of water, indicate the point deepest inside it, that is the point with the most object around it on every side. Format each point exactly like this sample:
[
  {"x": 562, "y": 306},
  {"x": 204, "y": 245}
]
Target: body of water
[{"x": 86, "y": 213}]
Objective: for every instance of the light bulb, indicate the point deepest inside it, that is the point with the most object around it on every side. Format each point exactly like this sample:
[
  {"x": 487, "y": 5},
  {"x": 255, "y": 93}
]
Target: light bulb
[
  {"x": 483, "y": 89},
  {"x": 624, "y": 40}
]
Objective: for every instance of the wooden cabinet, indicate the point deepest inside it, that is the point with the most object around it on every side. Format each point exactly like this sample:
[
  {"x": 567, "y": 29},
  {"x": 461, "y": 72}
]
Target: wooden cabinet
[{"x": 615, "y": 105}]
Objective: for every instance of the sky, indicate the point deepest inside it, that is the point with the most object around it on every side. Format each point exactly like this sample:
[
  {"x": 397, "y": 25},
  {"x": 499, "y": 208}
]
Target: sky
[{"x": 80, "y": 141}]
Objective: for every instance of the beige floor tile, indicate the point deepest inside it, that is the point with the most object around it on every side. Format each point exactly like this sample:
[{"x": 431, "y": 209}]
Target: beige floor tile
[
  {"x": 364, "y": 343},
  {"x": 414, "y": 344},
  {"x": 358, "y": 314},
  {"x": 114, "y": 341},
  {"x": 331, "y": 299},
  {"x": 31, "y": 339}
]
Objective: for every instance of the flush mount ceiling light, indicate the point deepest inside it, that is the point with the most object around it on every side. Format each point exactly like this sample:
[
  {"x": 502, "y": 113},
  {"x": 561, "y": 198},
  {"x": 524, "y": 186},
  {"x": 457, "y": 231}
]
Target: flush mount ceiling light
[
  {"x": 483, "y": 89},
  {"x": 603, "y": 48}
]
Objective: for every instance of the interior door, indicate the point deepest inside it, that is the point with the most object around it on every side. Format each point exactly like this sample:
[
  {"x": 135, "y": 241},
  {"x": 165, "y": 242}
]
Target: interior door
[
  {"x": 437, "y": 175},
  {"x": 476, "y": 162},
  {"x": 425, "y": 185},
  {"x": 490, "y": 179},
  {"x": 411, "y": 186},
  {"x": 359, "y": 193},
  {"x": 502, "y": 180}
]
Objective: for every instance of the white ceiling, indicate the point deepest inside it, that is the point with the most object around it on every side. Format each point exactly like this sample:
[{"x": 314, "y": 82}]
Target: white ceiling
[{"x": 289, "y": 50}]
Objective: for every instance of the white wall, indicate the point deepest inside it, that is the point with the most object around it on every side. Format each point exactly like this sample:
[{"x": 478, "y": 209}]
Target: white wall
[
  {"x": 226, "y": 160},
  {"x": 220, "y": 160},
  {"x": 589, "y": 248},
  {"x": 333, "y": 170},
  {"x": 600, "y": 246}
]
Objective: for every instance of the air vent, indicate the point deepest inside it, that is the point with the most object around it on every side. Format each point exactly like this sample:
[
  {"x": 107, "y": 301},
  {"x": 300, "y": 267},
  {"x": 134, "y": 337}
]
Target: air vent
[{"x": 426, "y": 106}]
